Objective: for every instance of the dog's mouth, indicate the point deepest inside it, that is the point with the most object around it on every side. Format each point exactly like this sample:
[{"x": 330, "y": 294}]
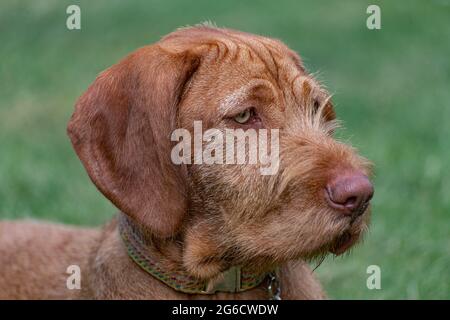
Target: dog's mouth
[
  {"x": 351, "y": 235},
  {"x": 343, "y": 243}
]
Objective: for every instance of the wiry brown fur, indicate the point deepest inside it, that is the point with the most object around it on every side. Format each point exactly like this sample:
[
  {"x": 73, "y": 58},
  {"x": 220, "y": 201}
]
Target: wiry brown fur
[{"x": 199, "y": 218}]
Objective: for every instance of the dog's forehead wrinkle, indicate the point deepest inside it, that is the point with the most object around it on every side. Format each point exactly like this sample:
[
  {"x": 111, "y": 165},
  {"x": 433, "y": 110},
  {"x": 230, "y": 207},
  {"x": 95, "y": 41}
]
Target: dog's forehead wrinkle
[
  {"x": 258, "y": 47},
  {"x": 227, "y": 49}
]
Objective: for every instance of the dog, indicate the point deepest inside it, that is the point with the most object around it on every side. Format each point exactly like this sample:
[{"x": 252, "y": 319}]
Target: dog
[{"x": 195, "y": 230}]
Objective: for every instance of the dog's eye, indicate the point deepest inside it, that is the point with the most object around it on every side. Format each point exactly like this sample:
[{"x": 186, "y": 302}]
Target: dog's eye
[{"x": 244, "y": 116}]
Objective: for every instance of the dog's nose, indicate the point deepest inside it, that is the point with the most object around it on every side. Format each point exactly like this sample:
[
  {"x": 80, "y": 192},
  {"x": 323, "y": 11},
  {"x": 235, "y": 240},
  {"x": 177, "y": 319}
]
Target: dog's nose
[{"x": 350, "y": 193}]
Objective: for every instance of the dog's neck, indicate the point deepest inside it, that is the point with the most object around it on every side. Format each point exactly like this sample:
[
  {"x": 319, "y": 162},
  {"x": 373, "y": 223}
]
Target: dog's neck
[{"x": 163, "y": 260}]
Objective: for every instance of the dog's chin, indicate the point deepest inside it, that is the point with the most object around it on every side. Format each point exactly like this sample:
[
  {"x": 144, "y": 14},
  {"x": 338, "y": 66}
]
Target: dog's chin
[
  {"x": 343, "y": 243},
  {"x": 340, "y": 243},
  {"x": 350, "y": 236}
]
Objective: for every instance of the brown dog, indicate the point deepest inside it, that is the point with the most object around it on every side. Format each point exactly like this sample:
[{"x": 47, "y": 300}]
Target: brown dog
[{"x": 198, "y": 230}]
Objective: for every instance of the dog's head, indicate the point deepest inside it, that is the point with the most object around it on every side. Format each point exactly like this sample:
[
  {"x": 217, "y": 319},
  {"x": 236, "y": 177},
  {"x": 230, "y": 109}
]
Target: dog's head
[{"x": 313, "y": 195}]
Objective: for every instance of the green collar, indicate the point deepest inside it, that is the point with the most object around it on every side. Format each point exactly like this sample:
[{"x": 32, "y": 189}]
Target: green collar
[{"x": 235, "y": 279}]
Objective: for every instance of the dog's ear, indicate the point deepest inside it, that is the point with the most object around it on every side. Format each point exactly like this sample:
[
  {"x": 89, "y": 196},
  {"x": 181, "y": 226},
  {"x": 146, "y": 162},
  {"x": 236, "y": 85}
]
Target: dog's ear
[{"x": 121, "y": 131}]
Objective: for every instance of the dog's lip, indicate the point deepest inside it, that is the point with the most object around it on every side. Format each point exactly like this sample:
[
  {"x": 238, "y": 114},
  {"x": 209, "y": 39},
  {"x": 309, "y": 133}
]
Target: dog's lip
[
  {"x": 356, "y": 218},
  {"x": 344, "y": 242}
]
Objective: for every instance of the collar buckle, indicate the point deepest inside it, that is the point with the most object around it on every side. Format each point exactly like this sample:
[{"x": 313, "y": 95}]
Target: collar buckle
[{"x": 230, "y": 282}]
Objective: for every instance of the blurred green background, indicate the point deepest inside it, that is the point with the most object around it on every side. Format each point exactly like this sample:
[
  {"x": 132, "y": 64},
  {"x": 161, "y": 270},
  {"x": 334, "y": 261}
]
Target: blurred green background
[{"x": 391, "y": 88}]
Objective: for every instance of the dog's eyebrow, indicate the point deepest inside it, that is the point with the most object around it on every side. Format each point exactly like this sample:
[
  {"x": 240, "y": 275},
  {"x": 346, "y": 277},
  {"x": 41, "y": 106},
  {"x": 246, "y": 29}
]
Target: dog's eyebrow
[{"x": 233, "y": 101}]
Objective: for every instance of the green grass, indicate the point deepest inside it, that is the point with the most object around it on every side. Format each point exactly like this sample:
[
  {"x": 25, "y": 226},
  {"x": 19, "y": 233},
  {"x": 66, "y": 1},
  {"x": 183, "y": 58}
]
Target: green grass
[{"x": 391, "y": 87}]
